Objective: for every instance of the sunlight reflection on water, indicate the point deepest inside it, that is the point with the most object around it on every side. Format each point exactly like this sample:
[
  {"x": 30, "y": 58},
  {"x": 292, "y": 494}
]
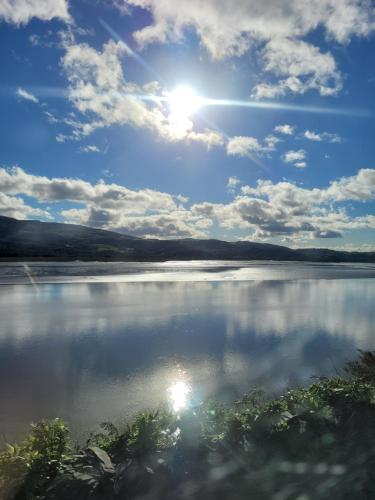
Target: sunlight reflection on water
[{"x": 179, "y": 394}]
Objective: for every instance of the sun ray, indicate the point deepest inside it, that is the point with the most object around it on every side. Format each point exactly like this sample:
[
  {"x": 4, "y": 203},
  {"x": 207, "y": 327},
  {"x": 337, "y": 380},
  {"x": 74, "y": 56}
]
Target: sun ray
[{"x": 271, "y": 106}]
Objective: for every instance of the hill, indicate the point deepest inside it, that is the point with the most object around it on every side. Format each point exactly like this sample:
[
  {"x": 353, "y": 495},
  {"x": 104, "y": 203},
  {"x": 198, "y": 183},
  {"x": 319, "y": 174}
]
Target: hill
[{"x": 35, "y": 240}]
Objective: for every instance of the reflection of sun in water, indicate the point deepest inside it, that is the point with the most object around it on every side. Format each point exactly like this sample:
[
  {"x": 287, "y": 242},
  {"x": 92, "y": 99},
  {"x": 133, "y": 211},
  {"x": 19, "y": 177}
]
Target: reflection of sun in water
[
  {"x": 178, "y": 395},
  {"x": 183, "y": 102}
]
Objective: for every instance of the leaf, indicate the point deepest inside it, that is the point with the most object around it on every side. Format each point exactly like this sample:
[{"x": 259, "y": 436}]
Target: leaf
[
  {"x": 10, "y": 449},
  {"x": 101, "y": 455}
]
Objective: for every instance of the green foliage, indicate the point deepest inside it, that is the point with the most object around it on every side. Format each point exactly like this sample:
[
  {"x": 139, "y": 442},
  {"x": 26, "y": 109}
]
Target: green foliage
[
  {"x": 315, "y": 443},
  {"x": 26, "y": 467},
  {"x": 364, "y": 367}
]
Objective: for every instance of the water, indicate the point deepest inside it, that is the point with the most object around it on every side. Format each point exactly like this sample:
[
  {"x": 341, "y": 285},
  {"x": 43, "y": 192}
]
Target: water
[{"x": 97, "y": 342}]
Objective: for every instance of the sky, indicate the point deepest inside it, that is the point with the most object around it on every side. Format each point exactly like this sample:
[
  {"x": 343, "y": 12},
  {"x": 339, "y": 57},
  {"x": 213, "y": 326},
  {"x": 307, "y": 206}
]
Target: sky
[{"x": 231, "y": 119}]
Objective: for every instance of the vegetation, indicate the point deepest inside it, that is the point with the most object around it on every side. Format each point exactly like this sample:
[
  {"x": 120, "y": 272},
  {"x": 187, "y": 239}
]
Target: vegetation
[{"x": 312, "y": 443}]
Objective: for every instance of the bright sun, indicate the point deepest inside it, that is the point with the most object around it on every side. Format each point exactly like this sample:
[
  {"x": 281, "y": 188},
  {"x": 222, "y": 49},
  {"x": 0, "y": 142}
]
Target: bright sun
[{"x": 183, "y": 101}]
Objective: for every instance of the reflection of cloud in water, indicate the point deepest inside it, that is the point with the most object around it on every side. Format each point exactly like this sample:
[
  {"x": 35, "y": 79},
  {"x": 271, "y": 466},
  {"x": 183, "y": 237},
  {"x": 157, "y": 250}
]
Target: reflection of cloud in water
[
  {"x": 265, "y": 307},
  {"x": 91, "y": 352}
]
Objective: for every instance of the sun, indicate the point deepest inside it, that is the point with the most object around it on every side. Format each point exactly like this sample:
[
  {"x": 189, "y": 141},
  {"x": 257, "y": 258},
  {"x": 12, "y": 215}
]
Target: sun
[{"x": 184, "y": 101}]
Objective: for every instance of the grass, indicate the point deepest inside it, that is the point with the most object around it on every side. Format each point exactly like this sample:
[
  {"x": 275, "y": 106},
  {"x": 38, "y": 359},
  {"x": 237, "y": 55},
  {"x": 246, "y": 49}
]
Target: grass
[{"x": 311, "y": 443}]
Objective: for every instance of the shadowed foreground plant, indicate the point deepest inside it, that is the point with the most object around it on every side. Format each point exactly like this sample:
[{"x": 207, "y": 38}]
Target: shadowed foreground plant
[
  {"x": 364, "y": 367},
  {"x": 26, "y": 468}
]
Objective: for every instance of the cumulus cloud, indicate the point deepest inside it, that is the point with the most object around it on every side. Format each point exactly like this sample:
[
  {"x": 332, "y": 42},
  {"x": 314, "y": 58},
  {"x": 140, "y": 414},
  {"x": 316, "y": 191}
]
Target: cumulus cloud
[
  {"x": 360, "y": 187},
  {"x": 105, "y": 205},
  {"x": 22, "y": 11},
  {"x": 285, "y": 129},
  {"x": 271, "y": 141},
  {"x": 295, "y": 157},
  {"x": 233, "y": 183},
  {"x": 264, "y": 210},
  {"x": 13, "y": 206},
  {"x": 45, "y": 189},
  {"x": 120, "y": 5},
  {"x": 176, "y": 224},
  {"x": 90, "y": 148},
  {"x": 243, "y": 146},
  {"x": 286, "y": 210},
  {"x": 322, "y": 137},
  {"x": 248, "y": 146},
  {"x": 225, "y": 31},
  {"x": 24, "y": 94},
  {"x": 328, "y": 233},
  {"x": 301, "y": 66}
]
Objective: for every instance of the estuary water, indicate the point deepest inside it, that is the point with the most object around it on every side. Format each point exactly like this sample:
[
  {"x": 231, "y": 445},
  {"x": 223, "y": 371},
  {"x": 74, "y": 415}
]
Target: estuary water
[{"x": 102, "y": 341}]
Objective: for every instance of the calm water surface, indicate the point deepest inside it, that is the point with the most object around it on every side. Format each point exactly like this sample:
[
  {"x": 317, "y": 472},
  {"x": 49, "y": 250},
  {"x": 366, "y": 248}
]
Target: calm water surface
[{"x": 100, "y": 342}]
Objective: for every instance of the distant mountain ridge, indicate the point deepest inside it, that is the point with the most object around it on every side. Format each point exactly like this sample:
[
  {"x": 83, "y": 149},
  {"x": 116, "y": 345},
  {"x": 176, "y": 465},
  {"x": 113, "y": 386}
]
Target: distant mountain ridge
[{"x": 35, "y": 240}]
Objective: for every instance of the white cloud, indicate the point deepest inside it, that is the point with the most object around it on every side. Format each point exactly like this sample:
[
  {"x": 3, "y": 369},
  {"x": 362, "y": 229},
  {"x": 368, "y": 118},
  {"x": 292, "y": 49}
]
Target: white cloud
[
  {"x": 300, "y": 66},
  {"x": 360, "y": 187},
  {"x": 24, "y": 94},
  {"x": 176, "y": 224},
  {"x": 226, "y": 31},
  {"x": 271, "y": 141},
  {"x": 232, "y": 184},
  {"x": 208, "y": 137},
  {"x": 243, "y": 146},
  {"x": 120, "y": 5},
  {"x": 323, "y": 136},
  {"x": 327, "y": 233},
  {"x": 90, "y": 148},
  {"x": 265, "y": 210},
  {"x": 22, "y": 11},
  {"x": 144, "y": 212},
  {"x": 295, "y": 157},
  {"x": 248, "y": 146},
  {"x": 292, "y": 212},
  {"x": 285, "y": 129},
  {"x": 13, "y": 206},
  {"x": 312, "y": 136},
  {"x": 50, "y": 117},
  {"x": 102, "y": 195}
]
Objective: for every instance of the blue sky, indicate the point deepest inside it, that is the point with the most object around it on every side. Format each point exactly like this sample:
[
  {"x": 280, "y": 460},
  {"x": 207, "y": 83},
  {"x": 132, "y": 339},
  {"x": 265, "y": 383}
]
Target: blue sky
[{"x": 120, "y": 115}]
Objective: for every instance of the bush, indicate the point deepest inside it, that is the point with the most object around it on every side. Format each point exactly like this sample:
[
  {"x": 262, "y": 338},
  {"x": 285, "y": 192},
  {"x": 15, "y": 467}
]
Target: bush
[{"x": 27, "y": 467}]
